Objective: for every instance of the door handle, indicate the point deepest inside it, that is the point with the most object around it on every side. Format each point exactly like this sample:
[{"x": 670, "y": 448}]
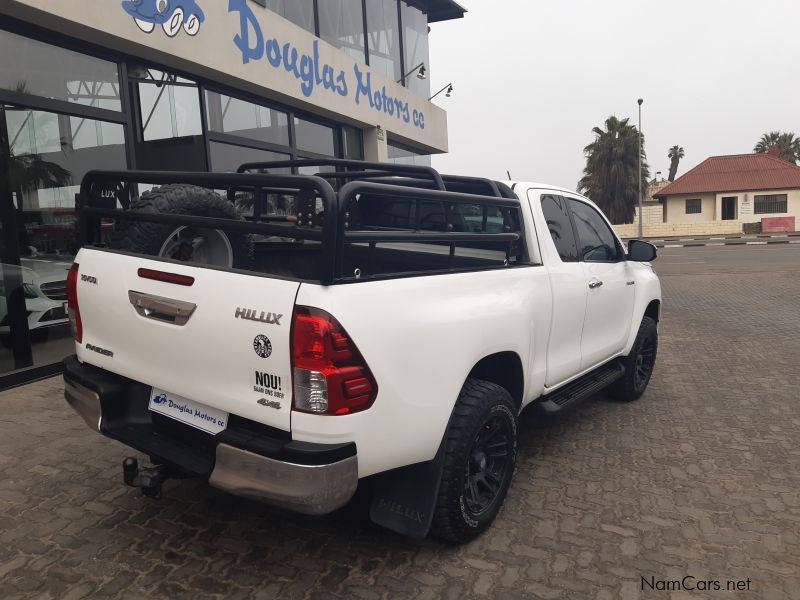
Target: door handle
[
  {"x": 163, "y": 309},
  {"x": 595, "y": 283}
]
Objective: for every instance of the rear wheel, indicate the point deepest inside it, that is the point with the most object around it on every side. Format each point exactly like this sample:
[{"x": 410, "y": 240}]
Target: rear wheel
[
  {"x": 638, "y": 364},
  {"x": 185, "y": 243},
  {"x": 480, "y": 455}
]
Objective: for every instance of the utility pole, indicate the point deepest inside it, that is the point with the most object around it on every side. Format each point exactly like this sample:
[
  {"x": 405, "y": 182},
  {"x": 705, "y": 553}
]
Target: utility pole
[{"x": 640, "y": 167}]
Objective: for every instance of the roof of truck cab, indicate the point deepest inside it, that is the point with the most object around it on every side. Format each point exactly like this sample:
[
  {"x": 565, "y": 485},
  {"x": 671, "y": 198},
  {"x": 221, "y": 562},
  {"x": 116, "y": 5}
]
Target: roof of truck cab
[{"x": 542, "y": 186}]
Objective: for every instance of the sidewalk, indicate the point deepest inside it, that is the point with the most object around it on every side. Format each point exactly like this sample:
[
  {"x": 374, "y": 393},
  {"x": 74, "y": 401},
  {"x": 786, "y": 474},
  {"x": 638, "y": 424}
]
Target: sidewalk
[{"x": 726, "y": 240}]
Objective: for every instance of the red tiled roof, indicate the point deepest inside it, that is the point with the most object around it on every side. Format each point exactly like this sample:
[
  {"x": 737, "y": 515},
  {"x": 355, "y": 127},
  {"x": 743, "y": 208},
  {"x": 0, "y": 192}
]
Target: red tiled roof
[{"x": 736, "y": 173}]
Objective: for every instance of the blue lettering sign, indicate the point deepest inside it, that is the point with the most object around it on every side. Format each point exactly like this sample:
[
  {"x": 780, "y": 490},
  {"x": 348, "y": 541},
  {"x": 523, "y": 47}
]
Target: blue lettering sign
[{"x": 309, "y": 70}]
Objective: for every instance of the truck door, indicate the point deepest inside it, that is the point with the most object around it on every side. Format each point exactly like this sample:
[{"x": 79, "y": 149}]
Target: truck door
[
  {"x": 609, "y": 284},
  {"x": 568, "y": 285}
]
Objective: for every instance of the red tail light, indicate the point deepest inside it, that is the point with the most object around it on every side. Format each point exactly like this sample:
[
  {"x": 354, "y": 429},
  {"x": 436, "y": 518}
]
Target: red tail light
[
  {"x": 330, "y": 375},
  {"x": 72, "y": 303}
]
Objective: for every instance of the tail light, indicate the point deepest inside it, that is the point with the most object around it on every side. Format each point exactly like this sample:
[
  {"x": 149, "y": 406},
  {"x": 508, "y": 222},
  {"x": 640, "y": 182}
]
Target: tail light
[
  {"x": 330, "y": 375},
  {"x": 72, "y": 303}
]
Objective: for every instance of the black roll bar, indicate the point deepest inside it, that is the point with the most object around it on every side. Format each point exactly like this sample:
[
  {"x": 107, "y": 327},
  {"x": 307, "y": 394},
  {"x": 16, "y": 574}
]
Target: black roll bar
[
  {"x": 384, "y": 168},
  {"x": 89, "y": 216}
]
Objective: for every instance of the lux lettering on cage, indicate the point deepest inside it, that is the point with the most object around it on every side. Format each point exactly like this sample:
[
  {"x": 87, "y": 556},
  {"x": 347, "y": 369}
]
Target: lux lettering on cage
[{"x": 309, "y": 70}]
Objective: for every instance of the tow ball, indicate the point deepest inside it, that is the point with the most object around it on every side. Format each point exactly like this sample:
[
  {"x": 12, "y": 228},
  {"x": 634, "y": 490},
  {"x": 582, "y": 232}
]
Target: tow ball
[{"x": 147, "y": 480}]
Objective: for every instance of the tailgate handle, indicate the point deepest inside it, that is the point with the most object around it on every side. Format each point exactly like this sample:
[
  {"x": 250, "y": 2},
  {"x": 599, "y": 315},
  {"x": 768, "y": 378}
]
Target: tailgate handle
[{"x": 163, "y": 309}]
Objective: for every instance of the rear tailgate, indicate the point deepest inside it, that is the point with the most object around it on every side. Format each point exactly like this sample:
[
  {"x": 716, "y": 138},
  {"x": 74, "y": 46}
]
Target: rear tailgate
[{"x": 232, "y": 351}]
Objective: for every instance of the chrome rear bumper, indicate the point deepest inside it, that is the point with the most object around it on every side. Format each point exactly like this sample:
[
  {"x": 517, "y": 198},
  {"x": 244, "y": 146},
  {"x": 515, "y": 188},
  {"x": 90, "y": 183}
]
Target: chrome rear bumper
[
  {"x": 308, "y": 489},
  {"x": 85, "y": 402}
]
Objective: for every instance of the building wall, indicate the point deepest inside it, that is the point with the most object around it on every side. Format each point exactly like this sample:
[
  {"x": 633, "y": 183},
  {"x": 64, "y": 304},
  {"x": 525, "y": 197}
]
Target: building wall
[
  {"x": 652, "y": 214},
  {"x": 662, "y": 230},
  {"x": 246, "y": 47},
  {"x": 675, "y": 209},
  {"x": 745, "y": 205}
]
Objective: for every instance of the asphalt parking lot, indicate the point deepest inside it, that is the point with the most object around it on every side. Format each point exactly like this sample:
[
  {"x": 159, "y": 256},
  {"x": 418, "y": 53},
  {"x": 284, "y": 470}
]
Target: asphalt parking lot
[{"x": 700, "y": 478}]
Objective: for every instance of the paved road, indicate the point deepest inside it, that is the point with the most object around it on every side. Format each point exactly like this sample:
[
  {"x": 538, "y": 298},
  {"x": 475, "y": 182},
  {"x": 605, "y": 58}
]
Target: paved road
[
  {"x": 699, "y": 478},
  {"x": 756, "y": 259}
]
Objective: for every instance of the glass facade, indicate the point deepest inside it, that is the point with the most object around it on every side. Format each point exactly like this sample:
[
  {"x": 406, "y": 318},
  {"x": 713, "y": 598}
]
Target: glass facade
[
  {"x": 415, "y": 48},
  {"x": 383, "y": 38},
  {"x": 400, "y": 155},
  {"x": 245, "y": 119},
  {"x": 341, "y": 23},
  {"x": 63, "y": 113},
  {"x": 64, "y": 75},
  {"x": 299, "y": 12},
  {"x": 389, "y": 35}
]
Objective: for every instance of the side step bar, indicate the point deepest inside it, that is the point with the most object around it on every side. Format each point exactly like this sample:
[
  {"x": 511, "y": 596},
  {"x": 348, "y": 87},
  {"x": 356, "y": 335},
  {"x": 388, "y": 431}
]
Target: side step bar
[{"x": 580, "y": 389}]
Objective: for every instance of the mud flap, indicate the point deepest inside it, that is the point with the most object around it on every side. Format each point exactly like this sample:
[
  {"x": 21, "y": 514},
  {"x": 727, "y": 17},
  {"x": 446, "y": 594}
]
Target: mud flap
[{"x": 404, "y": 499}]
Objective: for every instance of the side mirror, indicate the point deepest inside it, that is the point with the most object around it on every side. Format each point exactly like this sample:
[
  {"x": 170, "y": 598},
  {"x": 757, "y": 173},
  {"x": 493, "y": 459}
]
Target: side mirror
[{"x": 641, "y": 251}]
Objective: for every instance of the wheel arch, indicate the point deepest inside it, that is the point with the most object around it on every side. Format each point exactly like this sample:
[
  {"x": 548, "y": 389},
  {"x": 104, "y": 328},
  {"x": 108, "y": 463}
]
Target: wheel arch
[
  {"x": 653, "y": 310},
  {"x": 503, "y": 369}
]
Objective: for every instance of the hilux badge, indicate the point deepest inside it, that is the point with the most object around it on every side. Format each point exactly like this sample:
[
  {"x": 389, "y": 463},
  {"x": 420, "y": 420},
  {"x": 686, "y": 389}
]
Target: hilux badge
[
  {"x": 262, "y": 346},
  {"x": 262, "y": 317}
]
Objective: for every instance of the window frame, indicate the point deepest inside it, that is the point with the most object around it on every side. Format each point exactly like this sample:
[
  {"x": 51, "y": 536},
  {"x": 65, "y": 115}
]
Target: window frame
[
  {"x": 771, "y": 198},
  {"x": 686, "y": 205},
  {"x": 621, "y": 254},
  {"x": 557, "y": 194}
]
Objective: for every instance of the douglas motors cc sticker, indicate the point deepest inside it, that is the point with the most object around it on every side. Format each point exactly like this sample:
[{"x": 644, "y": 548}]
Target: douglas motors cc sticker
[{"x": 262, "y": 346}]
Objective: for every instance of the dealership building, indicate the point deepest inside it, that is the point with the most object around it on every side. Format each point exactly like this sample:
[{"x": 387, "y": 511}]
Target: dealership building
[{"x": 195, "y": 85}]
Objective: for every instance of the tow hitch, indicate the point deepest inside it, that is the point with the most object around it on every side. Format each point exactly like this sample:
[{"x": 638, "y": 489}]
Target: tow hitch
[{"x": 147, "y": 480}]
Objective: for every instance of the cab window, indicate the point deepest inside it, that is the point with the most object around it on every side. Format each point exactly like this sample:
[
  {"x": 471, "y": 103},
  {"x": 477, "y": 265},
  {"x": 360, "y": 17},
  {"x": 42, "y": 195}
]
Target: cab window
[
  {"x": 596, "y": 241},
  {"x": 556, "y": 214}
]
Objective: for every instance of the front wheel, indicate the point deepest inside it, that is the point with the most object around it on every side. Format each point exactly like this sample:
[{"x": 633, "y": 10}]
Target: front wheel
[
  {"x": 480, "y": 455},
  {"x": 638, "y": 364}
]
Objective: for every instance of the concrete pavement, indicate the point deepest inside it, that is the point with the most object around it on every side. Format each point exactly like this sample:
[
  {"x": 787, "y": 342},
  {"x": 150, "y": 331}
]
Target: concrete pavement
[{"x": 698, "y": 481}]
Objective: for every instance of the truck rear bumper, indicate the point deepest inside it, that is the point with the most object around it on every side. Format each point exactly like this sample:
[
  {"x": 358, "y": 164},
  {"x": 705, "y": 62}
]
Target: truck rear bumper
[
  {"x": 309, "y": 489},
  {"x": 247, "y": 459}
]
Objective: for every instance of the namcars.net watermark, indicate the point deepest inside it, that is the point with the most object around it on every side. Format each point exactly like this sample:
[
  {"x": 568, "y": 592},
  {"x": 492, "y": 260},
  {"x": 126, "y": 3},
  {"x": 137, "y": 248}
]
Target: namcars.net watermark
[{"x": 693, "y": 584}]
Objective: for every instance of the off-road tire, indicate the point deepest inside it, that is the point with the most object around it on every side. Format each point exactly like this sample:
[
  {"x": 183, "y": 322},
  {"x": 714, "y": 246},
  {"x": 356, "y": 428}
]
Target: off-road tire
[
  {"x": 178, "y": 199},
  {"x": 478, "y": 403},
  {"x": 629, "y": 388}
]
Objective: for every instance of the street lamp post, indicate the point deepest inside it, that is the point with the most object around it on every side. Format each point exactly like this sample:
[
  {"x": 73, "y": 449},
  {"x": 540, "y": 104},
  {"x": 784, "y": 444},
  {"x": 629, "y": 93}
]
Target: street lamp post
[{"x": 640, "y": 100}]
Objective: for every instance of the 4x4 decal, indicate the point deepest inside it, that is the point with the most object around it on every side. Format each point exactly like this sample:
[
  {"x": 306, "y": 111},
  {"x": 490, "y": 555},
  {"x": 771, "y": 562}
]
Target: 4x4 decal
[{"x": 170, "y": 14}]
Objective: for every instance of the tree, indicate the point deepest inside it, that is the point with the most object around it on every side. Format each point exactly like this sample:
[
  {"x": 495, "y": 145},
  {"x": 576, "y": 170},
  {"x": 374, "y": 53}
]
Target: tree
[
  {"x": 674, "y": 155},
  {"x": 611, "y": 172},
  {"x": 787, "y": 143}
]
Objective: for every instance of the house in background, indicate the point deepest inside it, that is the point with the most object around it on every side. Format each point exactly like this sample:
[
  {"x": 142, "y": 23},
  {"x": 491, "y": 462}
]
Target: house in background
[{"x": 754, "y": 192}]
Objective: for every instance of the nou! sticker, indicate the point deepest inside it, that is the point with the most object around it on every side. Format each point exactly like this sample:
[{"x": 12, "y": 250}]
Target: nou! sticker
[{"x": 268, "y": 385}]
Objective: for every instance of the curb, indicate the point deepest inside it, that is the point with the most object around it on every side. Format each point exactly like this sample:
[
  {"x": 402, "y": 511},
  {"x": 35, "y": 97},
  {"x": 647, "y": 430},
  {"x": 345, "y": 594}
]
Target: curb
[{"x": 738, "y": 242}]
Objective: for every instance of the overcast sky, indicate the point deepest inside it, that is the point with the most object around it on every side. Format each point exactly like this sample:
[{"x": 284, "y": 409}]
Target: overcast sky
[{"x": 533, "y": 77}]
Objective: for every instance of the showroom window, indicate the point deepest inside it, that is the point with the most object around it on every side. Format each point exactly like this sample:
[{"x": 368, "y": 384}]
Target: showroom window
[
  {"x": 770, "y": 204},
  {"x": 383, "y": 38},
  {"x": 245, "y": 119},
  {"x": 341, "y": 23},
  {"x": 48, "y": 154},
  {"x": 42, "y": 70},
  {"x": 299, "y": 12},
  {"x": 400, "y": 155},
  {"x": 415, "y": 48},
  {"x": 170, "y": 107}
]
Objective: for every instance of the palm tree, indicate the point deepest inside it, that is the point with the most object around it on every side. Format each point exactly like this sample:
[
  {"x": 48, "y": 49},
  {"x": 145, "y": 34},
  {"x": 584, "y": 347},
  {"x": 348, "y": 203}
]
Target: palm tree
[
  {"x": 787, "y": 143},
  {"x": 611, "y": 172},
  {"x": 674, "y": 155}
]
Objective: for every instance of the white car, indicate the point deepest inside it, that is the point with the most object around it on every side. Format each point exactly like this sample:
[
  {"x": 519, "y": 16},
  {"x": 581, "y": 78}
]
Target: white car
[
  {"x": 44, "y": 280},
  {"x": 397, "y": 338}
]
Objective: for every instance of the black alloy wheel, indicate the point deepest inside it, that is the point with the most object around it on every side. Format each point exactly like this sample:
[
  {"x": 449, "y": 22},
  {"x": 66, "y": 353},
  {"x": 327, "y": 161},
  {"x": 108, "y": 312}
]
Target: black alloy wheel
[
  {"x": 480, "y": 451},
  {"x": 489, "y": 460},
  {"x": 639, "y": 364},
  {"x": 645, "y": 361}
]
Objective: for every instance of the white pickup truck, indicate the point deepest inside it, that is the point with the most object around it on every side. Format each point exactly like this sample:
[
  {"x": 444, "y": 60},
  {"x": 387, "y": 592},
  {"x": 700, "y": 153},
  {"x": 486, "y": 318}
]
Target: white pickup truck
[{"x": 290, "y": 336}]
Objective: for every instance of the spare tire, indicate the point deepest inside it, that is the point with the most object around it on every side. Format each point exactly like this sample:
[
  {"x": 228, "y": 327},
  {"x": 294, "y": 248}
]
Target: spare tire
[{"x": 230, "y": 249}]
